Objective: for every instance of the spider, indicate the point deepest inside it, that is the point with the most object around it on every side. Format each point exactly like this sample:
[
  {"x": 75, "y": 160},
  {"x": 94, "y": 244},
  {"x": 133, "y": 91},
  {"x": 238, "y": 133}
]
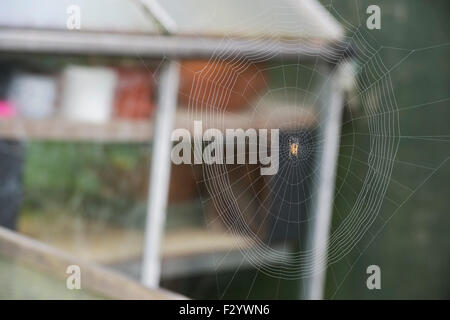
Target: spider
[{"x": 293, "y": 147}]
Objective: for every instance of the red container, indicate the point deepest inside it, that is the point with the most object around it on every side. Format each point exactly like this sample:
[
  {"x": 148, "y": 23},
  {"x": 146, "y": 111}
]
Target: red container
[{"x": 134, "y": 93}]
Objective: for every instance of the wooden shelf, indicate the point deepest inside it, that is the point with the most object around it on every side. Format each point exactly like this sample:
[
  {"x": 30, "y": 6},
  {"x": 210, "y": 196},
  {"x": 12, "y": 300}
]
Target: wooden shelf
[
  {"x": 118, "y": 130},
  {"x": 104, "y": 243},
  {"x": 56, "y": 129},
  {"x": 184, "y": 251},
  {"x": 36, "y": 41},
  {"x": 25, "y": 259}
]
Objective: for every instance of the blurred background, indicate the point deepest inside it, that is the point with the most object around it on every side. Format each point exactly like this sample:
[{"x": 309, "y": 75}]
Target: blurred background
[{"x": 88, "y": 197}]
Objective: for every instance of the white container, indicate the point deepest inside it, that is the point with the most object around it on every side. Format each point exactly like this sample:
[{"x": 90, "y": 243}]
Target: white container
[
  {"x": 33, "y": 94},
  {"x": 88, "y": 93}
]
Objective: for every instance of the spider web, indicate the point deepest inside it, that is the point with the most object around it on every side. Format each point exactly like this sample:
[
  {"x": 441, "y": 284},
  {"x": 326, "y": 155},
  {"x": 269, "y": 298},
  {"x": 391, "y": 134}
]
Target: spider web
[{"x": 374, "y": 90}]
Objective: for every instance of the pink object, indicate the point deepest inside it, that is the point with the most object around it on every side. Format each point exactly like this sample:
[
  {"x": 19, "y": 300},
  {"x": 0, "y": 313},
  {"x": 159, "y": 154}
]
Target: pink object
[{"x": 7, "y": 110}]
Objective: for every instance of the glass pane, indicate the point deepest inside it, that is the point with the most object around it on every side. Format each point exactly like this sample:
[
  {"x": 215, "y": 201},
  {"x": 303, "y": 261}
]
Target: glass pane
[
  {"x": 282, "y": 18},
  {"x": 95, "y": 15}
]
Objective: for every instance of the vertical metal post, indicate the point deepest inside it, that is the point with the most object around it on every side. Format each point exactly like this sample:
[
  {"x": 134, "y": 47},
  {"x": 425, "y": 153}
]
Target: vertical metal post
[
  {"x": 318, "y": 231},
  {"x": 160, "y": 173}
]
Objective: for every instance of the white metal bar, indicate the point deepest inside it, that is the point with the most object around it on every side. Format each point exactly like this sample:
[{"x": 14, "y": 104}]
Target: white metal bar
[
  {"x": 159, "y": 46},
  {"x": 161, "y": 15},
  {"x": 160, "y": 174},
  {"x": 318, "y": 231}
]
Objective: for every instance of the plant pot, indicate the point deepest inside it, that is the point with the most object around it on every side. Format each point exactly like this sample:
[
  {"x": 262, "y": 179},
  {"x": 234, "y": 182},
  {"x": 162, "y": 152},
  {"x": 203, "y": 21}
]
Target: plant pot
[
  {"x": 134, "y": 94},
  {"x": 221, "y": 85}
]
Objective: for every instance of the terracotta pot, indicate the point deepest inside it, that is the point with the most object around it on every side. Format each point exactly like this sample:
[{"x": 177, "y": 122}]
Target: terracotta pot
[
  {"x": 183, "y": 186},
  {"x": 134, "y": 93},
  {"x": 223, "y": 86}
]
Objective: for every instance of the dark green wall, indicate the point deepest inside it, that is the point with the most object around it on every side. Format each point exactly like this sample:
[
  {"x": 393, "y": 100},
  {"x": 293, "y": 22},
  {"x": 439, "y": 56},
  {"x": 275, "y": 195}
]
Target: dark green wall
[{"x": 410, "y": 240}]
